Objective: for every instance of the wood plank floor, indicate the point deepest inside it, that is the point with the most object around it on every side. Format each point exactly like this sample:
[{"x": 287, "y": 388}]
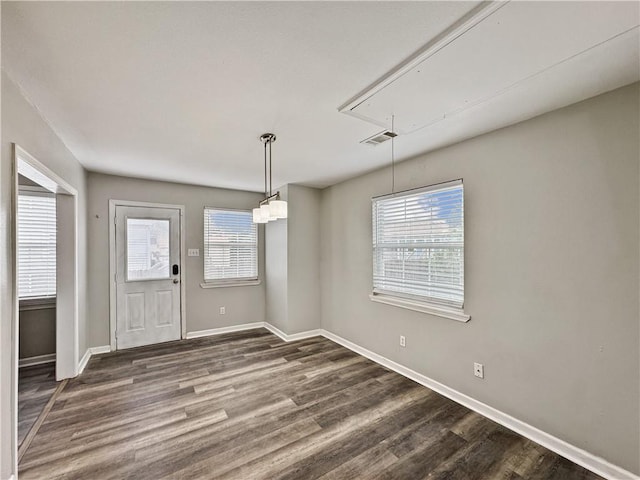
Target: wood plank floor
[
  {"x": 247, "y": 406},
  {"x": 36, "y": 384}
]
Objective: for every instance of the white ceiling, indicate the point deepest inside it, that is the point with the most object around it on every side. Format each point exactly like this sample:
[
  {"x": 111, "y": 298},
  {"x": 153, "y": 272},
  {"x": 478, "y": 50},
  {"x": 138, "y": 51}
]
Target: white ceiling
[{"x": 181, "y": 91}]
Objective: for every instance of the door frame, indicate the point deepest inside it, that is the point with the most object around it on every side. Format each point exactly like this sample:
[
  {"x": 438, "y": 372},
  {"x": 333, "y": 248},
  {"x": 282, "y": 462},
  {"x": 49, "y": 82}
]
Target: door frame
[
  {"x": 112, "y": 263},
  {"x": 67, "y": 261}
]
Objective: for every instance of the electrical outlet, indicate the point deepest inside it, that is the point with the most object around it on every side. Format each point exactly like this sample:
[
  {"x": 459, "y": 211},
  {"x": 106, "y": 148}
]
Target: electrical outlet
[
  {"x": 403, "y": 341},
  {"x": 478, "y": 370},
  {"x": 193, "y": 252},
  {"x": 223, "y": 310}
]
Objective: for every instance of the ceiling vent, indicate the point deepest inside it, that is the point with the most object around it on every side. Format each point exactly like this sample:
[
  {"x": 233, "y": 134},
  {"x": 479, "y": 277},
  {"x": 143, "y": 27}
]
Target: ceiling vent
[{"x": 379, "y": 138}]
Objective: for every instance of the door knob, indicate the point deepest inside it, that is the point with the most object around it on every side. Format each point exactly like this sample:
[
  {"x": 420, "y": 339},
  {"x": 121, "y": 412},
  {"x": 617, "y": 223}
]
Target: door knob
[{"x": 176, "y": 280}]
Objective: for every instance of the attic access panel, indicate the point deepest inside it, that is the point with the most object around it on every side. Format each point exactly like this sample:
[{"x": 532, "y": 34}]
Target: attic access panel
[{"x": 485, "y": 55}]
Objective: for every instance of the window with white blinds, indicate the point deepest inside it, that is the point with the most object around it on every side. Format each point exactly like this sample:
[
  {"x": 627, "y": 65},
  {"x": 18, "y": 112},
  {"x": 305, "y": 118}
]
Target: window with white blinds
[
  {"x": 418, "y": 245},
  {"x": 230, "y": 246},
  {"x": 36, "y": 245}
]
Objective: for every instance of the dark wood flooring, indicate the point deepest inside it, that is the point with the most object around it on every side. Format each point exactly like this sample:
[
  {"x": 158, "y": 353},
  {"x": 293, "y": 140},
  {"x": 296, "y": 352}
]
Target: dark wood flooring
[
  {"x": 249, "y": 406},
  {"x": 36, "y": 384}
]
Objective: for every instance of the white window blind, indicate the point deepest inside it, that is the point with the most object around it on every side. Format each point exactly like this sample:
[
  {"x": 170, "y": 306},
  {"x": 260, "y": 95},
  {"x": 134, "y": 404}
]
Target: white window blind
[
  {"x": 36, "y": 246},
  {"x": 230, "y": 245},
  {"x": 418, "y": 244}
]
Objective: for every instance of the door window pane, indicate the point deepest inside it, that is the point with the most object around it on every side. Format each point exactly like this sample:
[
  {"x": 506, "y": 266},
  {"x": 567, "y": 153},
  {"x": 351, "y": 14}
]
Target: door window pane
[{"x": 147, "y": 249}]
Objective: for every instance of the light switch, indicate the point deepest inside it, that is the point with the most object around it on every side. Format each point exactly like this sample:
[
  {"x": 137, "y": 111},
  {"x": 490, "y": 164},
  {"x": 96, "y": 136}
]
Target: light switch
[{"x": 193, "y": 252}]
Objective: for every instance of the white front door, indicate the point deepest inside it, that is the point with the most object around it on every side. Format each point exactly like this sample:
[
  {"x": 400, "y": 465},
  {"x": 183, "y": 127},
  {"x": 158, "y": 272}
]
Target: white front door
[{"x": 147, "y": 275}]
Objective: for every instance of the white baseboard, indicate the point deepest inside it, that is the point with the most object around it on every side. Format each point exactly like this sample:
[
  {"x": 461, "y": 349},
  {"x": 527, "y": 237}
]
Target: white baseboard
[
  {"x": 577, "y": 455},
  {"x": 250, "y": 326},
  {"x": 84, "y": 360},
  {"x": 37, "y": 360},
  {"x": 100, "y": 350},
  {"x": 89, "y": 353},
  {"x": 218, "y": 331},
  {"x": 294, "y": 336}
]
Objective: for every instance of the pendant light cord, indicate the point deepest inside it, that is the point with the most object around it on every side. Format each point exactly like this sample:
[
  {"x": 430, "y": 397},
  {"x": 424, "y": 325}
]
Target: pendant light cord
[
  {"x": 270, "y": 170},
  {"x": 393, "y": 159},
  {"x": 265, "y": 169}
]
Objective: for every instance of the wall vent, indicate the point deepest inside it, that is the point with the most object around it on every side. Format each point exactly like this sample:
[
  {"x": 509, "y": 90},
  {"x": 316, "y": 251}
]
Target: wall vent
[{"x": 379, "y": 138}]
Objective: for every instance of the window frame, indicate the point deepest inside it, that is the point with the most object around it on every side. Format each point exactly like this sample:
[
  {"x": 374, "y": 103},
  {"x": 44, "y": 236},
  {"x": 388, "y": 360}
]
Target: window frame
[
  {"x": 230, "y": 282},
  {"x": 35, "y": 301},
  {"x": 408, "y": 300}
]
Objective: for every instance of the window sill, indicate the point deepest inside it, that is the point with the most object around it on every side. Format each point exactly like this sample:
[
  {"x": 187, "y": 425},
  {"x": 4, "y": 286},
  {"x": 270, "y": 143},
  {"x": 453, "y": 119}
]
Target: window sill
[
  {"x": 230, "y": 284},
  {"x": 451, "y": 313},
  {"x": 36, "y": 303}
]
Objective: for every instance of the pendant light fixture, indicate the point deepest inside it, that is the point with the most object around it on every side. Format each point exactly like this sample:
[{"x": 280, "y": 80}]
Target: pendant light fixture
[{"x": 272, "y": 207}]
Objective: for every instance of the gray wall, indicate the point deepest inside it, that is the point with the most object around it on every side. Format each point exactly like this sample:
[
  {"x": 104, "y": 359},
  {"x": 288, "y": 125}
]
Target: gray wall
[
  {"x": 22, "y": 124},
  {"x": 243, "y": 304},
  {"x": 551, "y": 273},
  {"x": 277, "y": 270},
  {"x": 303, "y": 259},
  {"x": 37, "y": 332},
  {"x": 293, "y": 263}
]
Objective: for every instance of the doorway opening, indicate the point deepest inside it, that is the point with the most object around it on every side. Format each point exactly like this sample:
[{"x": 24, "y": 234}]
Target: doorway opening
[
  {"x": 36, "y": 249},
  {"x": 45, "y": 280}
]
